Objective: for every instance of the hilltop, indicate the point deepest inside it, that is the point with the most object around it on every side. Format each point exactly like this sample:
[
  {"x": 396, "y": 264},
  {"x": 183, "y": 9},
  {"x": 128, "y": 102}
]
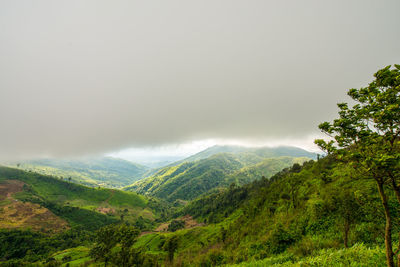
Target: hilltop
[{"x": 263, "y": 152}]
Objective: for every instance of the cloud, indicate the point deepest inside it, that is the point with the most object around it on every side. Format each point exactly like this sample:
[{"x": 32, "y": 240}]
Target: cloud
[{"x": 83, "y": 77}]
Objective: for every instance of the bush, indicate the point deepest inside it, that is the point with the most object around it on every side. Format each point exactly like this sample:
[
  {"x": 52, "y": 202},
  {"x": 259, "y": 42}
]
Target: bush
[
  {"x": 279, "y": 240},
  {"x": 176, "y": 225},
  {"x": 310, "y": 245}
]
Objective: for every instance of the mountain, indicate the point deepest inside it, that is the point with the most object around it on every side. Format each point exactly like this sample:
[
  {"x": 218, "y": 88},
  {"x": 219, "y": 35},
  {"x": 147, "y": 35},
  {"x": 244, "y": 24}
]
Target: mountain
[
  {"x": 105, "y": 171},
  {"x": 264, "y": 152},
  {"x": 189, "y": 180}
]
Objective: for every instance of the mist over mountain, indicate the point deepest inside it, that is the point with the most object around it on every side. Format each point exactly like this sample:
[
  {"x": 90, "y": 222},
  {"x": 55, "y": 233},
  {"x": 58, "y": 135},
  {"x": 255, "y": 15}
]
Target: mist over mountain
[
  {"x": 265, "y": 152},
  {"x": 101, "y": 171}
]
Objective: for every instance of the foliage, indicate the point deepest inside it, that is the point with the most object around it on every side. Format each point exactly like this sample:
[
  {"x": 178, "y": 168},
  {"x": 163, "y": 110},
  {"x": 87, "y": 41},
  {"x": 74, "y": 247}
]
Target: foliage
[
  {"x": 107, "y": 239},
  {"x": 263, "y": 222},
  {"x": 33, "y": 246},
  {"x": 366, "y": 136},
  {"x": 358, "y": 255},
  {"x": 176, "y": 225}
]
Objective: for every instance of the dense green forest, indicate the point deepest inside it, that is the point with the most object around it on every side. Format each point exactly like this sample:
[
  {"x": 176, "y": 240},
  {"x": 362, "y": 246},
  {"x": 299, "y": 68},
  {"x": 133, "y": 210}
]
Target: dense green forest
[{"x": 235, "y": 208}]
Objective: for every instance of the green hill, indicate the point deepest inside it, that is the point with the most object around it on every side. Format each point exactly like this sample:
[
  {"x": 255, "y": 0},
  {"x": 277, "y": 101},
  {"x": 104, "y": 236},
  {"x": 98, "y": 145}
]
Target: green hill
[
  {"x": 105, "y": 172},
  {"x": 78, "y": 205},
  {"x": 189, "y": 180}
]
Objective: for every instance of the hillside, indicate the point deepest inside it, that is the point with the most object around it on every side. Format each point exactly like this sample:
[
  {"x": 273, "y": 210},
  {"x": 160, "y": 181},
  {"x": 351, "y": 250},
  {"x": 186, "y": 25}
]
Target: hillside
[
  {"x": 296, "y": 218},
  {"x": 105, "y": 171},
  {"x": 192, "y": 179},
  {"x": 76, "y": 205}
]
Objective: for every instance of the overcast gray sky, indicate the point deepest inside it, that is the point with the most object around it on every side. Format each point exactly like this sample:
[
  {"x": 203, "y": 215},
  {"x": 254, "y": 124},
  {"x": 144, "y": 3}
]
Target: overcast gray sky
[{"x": 82, "y": 77}]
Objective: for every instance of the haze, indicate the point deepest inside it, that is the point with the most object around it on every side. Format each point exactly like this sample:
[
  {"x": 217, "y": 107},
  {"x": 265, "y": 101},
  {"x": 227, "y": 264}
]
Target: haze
[{"x": 87, "y": 77}]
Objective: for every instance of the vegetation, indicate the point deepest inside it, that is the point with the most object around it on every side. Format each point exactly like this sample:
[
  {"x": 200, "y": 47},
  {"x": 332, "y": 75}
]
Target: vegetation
[
  {"x": 367, "y": 136},
  {"x": 190, "y": 180},
  {"x": 176, "y": 225},
  {"x": 33, "y": 246},
  {"x": 76, "y": 211}
]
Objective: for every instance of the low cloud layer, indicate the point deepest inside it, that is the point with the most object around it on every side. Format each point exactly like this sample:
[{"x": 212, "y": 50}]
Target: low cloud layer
[{"x": 82, "y": 77}]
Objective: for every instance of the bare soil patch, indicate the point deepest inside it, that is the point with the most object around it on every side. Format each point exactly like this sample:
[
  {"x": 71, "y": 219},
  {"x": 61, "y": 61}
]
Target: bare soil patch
[
  {"x": 189, "y": 223},
  {"x": 105, "y": 210},
  {"x": 9, "y": 187},
  {"x": 17, "y": 214}
]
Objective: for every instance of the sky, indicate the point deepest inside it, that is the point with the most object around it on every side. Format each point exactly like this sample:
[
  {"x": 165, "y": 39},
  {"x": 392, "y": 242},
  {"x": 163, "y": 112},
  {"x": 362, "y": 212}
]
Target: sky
[{"x": 108, "y": 77}]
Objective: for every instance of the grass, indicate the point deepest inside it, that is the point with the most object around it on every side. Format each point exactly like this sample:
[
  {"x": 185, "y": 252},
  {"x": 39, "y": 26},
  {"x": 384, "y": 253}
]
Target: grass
[
  {"x": 75, "y": 256},
  {"x": 358, "y": 255}
]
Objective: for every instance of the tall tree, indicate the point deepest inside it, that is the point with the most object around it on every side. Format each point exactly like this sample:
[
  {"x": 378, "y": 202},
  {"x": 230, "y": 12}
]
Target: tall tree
[
  {"x": 171, "y": 245},
  {"x": 105, "y": 241},
  {"x": 366, "y": 136},
  {"x": 126, "y": 237}
]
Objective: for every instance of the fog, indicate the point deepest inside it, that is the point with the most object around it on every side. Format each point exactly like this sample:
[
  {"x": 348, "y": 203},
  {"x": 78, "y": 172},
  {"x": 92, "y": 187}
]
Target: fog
[{"x": 92, "y": 77}]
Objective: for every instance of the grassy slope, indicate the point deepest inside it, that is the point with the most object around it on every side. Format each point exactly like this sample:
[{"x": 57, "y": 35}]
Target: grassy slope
[
  {"x": 192, "y": 179},
  {"x": 77, "y": 203}
]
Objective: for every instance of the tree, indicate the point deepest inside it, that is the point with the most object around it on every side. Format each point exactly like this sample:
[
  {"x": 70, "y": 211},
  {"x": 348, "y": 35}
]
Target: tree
[
  {"x": 349, "y": 210},
  {"x": 366, "y": 136},
  {"x": 108, "y": 237},
  {"x": 176, "y": 225},
  {"x": 126, "y": 236},
  {"x": 105, "y": 241},
  {"x": 171, "y": 245}
]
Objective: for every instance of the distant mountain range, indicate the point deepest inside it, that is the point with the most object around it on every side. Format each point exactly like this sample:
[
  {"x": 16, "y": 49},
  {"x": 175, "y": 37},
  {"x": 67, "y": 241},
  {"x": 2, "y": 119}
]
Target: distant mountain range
[
  {"x": 216, "y": 167},
  {"x": 117, "y": 173},
  {"x": 104, "y": 171}
]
